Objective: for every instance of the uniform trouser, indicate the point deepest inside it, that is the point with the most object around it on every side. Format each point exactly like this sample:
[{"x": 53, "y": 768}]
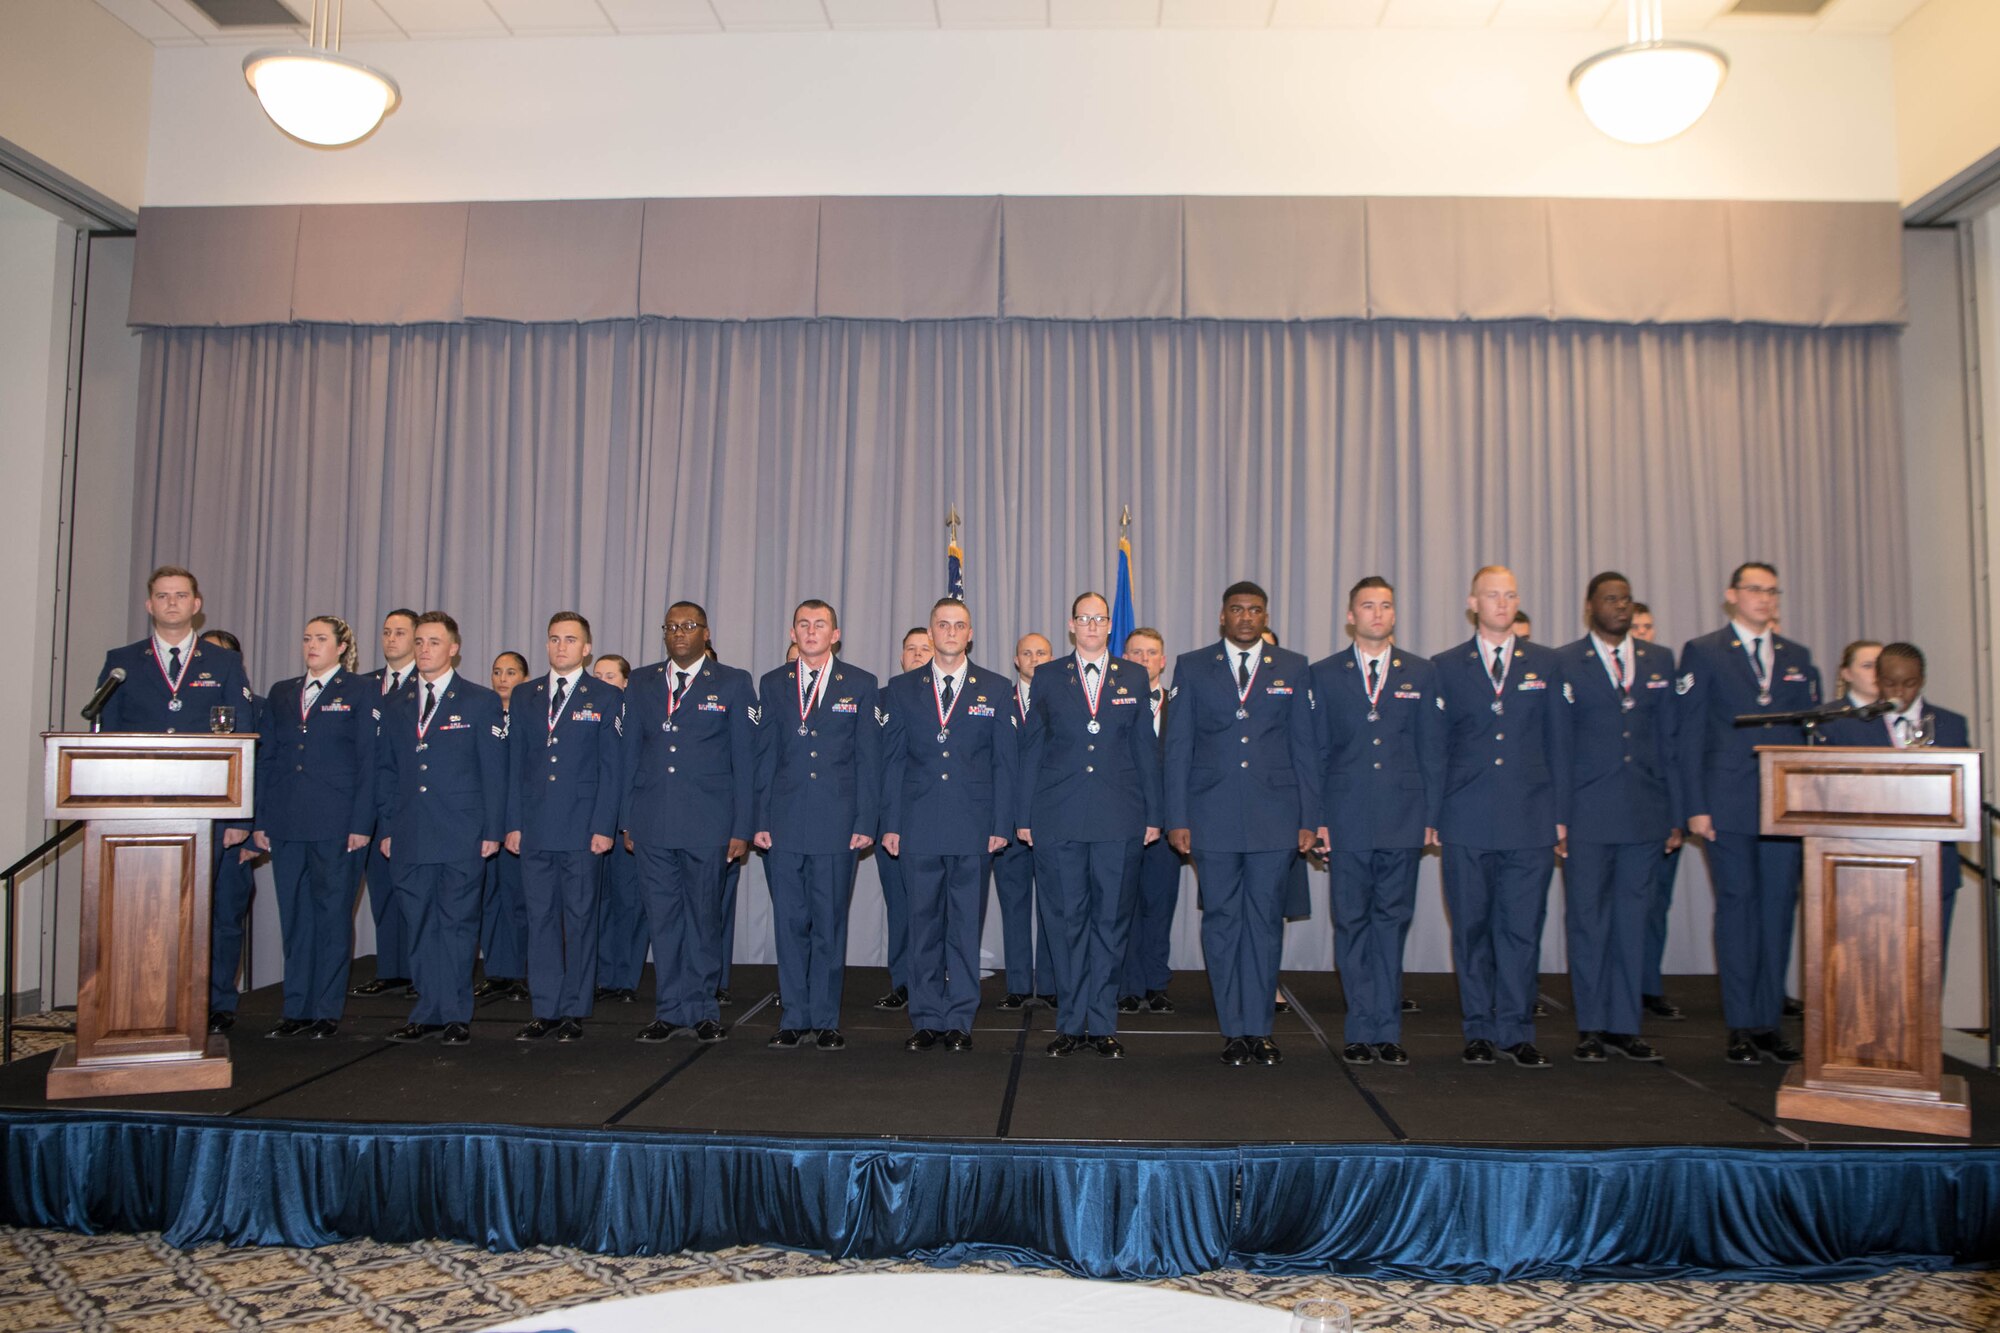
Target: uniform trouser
[
  {"x": 621, "y": 920},
  {"x": 392, "y": 942},
  {"x": 895, "y": 908},
  {"x": 315, "y": 883},
  {"x": 943, "y": 895},
  {"x": 1756, "y": 902},
  {"x": 503, "y": 918},
  {"x": 810, "y": 895},
  {"x": 682, "y": 891},
  {"x": 1608, "y": 896},
  {"x": 1664, "y": 875},
  {"x": 1498, "y": 901},
  {"x": 1373, "y": 895},
  {"x": 1150, "y": 941},
  {"x": 559, "y": 890},
  {"x": 1024, "y": 930},
  {"x": 1243, "y": 933},
  {"x": 440, "y": 903},
  {"x": 1086, "y": 891},
  {"x": 729, "y": 878},
  {"x": 231, "y": 889}
]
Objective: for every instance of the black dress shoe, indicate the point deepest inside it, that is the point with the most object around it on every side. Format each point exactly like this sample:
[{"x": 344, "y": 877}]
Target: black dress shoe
[
  {"x": 290, "y": 1027},
  {"x": 1128, "y": 1004},
  {"x": 537, "y": 1028},
  {"x": 456, "y": 1034},
  {"x": 1157, "y": 1002},
  {"x": 1236, "y": 1051},
  {"x": 1048, "y": 1000},
  {"x": 1659, "y": 1006},
  {"x": 571, "y": 1030},
  {"x": 623, "y": 994},
  {"x": 1793, "y": 1008},
  {"x": 921, "y": 1040},
  {"x": 1358, "y": 1053},
  {"x": 786, "y": 1039},
  {"x": 491, "y": 987},
  {"x": 1524, "y": 1054},
  {"x": 657, "y": 1031},
  {"x": 1479, "y": 1052},
  {"x": 324, "y": 1028},
  {"x": 1389, "y": 1053},
  {"x": 1065, "y": 1044},
  {"x": 1265, "y": 1052},
  {"x": 1410, "y": 1006},
  {"x": 1589, "y": 1049},
  {"x": 1775, "y": 1048},
  {"x": 413, "y": 1032},
  {"x": 1108, "y": 1047},
  {"x": 708, "y": 1032},
  {"x": 1540, "y": 1010},
  {"x": 722, "y": 997},
  {"x": 1281, "y": 1006},
  {"x": 898, "y": 998},
  {"x": 1012, "y": 1000},
  {"x": 221, "y": 1020},
  {"x": 1631, "y": 1047},
  {"x": 829, "y": 1039},
  {"x": 1741, "y": 1050},
  {"x": 958, "y": 1039},
  {"x": 378, "y": 985},
  {"x": 410, "y": 993}
]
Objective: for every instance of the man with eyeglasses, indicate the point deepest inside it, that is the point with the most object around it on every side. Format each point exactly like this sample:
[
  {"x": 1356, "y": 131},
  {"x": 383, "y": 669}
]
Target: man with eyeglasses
[
  {"x": 1744, "y": 667},
  {"x": 690, "y": 768},
  {"x": 1089, "y": 799}
]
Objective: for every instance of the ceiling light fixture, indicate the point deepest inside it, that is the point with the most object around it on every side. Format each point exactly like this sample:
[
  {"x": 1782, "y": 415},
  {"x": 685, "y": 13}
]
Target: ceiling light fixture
[
  {"x": 314, "y": 93},
  {"x": 1650, "y": 89}
]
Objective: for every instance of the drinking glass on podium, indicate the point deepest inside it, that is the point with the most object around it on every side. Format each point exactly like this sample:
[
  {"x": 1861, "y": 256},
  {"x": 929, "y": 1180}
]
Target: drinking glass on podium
[{"x": 1321, "y": 1317}]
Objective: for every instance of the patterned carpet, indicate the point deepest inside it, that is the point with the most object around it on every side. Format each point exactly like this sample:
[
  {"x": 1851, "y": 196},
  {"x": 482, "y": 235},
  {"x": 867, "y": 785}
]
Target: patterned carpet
[{"x": 57, "y": 1281}]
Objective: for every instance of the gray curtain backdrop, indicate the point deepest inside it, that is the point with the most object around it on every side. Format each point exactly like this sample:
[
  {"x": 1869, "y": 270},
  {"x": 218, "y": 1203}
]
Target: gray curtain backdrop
[{"x": 503, "y": 472}]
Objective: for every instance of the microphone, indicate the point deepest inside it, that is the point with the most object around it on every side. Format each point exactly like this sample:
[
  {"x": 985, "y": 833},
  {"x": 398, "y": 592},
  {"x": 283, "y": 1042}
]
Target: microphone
[
  {"x": 1880, "y": 708},
  {"x": 104, "y": 693}
]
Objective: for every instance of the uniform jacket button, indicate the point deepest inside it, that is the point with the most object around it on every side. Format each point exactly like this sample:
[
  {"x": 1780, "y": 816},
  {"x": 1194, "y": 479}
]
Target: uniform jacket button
[
  {"x": 1378, "y": 765},
  {"x": 1499, "y": 761},
  {"x": 1089, "y": 769},
  {"x": 1246, "y": 763},
  {"x": 944, "y": 777}
]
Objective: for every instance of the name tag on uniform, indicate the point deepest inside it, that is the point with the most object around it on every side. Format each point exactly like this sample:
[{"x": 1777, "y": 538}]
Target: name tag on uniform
[
  {"x": 1532, "y": 685},
  {"x": 844, "y": 706},
  {"x": 1409, "y": 694},
  {"x": 716, "y": 708},
  {"x": 980, "y": 710}
]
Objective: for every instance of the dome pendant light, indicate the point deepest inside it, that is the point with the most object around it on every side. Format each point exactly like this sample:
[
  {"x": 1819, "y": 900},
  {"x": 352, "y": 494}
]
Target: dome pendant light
[
  {"x": 1650, "y": 89},
  {"x": 314, "y": 93}
]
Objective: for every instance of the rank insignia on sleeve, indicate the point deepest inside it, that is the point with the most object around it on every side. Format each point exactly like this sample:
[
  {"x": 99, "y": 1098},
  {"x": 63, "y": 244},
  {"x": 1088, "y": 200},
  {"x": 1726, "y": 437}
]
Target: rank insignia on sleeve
[
  {"x": 881, "y": 718},
  {"x": 755, "y": 714},
  {"x": 1684, "y": 684},
  {"x": 1440, "y": 699}
]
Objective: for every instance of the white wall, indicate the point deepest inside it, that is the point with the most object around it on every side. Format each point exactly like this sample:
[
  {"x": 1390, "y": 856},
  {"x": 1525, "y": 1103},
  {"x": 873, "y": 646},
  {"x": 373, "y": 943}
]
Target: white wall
[
  {"x": 1947, "y": 97},
  {"x": 75, "y": 88},
  {"x": 35, "y": 259},
  {"x": 1363, "y": 112}
]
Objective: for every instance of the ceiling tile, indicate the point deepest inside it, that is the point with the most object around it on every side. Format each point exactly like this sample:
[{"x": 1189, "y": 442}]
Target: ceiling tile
[
  {"x": 1439, "y": 13},
  {"x": 882, "y": 13},
  {"x": 1327, "y": 13},
  {"x": 365, "y": 18},
  {"x": 1215, "y": 13},
  {"x": 771, "y": 15},
  {"x": 146, "y": 18},
  {"x": 1732, "y": 22},
  {"x": 1557, "y": 15},
  {"x": 1104, "y": 13},
  {"x": 537, "y": 16},
  {"x": 1679, "y": 16},
  {"x": 662, "y": 15},
  {"x": 444, "y": 18},
  {"x": 1876, "y": 16},
  {"x": 993, "y": 13}
]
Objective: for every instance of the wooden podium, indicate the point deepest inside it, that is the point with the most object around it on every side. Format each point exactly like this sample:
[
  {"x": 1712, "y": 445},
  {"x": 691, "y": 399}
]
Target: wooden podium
[
  {"x": 142, "y": 980},
  {"x": 1875, "y": 822}
]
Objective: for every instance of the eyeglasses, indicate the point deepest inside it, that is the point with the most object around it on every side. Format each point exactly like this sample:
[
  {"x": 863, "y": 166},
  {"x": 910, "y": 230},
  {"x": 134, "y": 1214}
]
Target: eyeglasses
[
  {"x": 1758, "y": 589},
  {"x": 685, "y": 626},
  {"x": 1093, "y": 621}
]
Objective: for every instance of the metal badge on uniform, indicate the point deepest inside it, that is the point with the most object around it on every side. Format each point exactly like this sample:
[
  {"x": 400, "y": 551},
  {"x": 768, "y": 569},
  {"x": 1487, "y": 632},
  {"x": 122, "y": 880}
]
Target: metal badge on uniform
[
  {"x": 174, "y": 705},
  {"x": 1499, "y": 707},
  {"x": 1092, "y": 727}
]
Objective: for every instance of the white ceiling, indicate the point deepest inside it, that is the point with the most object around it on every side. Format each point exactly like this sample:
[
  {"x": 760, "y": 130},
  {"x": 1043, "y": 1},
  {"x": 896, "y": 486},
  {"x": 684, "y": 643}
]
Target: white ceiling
[{"x": 178, "y": 23}]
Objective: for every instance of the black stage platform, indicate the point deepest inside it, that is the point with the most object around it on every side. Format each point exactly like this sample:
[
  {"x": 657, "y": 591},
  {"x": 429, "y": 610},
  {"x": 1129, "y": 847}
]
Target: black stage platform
[{"x": 1166, "y": 1161}]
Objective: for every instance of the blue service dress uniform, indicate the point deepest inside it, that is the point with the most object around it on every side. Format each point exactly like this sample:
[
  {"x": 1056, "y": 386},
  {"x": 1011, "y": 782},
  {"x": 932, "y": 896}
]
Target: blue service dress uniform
[
  {"x": 392, "y": 948},
  {"x": 691, "y": 747},
  {"x": 1756, "y": 878},
  {"x": 1507, "y": 787},
  {"x": 503, "y": 914},
  {"x": 154, "y": 699},
  {"x": 1625, "y": 799},
  {"x": 1242, "y": 776},
  {"x": 1148, "y": 970},
  {"x": 621, "y": 922},
  {"x": 948, "y": 776},
  {"x": 1024, "y": 931},
  {"x": 1381, "y": 786},
  {"x": 563, "y": 791},
  {"x": 1088, "y": 798},
  {"x": 1942, "y": 727},
  {"x": 441, "y": 791},
  {"x": 819, "y": 785},
  {"x": 315, "y": 790}
]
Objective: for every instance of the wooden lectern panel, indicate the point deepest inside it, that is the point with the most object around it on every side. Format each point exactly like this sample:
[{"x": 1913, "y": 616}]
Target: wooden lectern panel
[
  {"x": 147, "y": 943},
  {"x": 1871, "y": 918},
  {"x": 114, "y": 775},
  {"x": 1834, "y": 792}
]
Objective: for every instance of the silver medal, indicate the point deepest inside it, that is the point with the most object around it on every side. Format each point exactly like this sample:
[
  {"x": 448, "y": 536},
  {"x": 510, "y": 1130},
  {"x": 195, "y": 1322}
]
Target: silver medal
[
  {"x": 1764, "y": 699},
  {"x": 944, "y": 736},
  {"x": 1092, "y": 727},
  {"x": 803, "y": 729},
  {"x": 1499, "y": 707},
  {"x": 1374, "y": 716},
  {"x": 173, "y": 705},
  {"x": 1628, "y": 703},
  {"x": 1242, "y": 714}
]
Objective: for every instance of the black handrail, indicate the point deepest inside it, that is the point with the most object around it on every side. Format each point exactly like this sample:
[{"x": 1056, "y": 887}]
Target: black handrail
[
  {"x": 49, "y": 844},
  {"x": 1990, "y": 901}
]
